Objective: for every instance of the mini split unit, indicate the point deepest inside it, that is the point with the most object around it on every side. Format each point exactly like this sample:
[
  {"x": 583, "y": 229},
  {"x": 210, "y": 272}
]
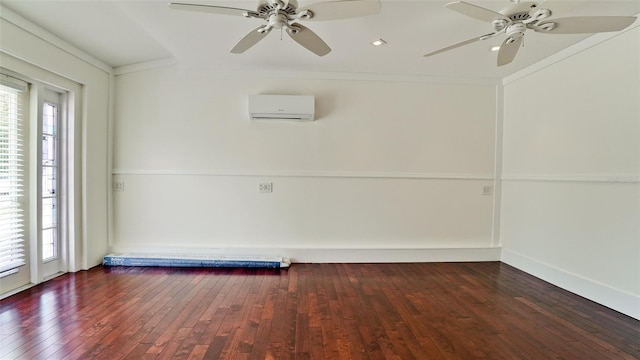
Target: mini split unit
[{"x": 282, "y": 107}]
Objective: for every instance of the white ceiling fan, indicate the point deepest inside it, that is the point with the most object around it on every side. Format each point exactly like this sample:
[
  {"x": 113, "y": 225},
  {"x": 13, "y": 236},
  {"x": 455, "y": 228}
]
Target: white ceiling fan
[
  {"x": 284, "y": 14},
  {"x": 515, "y": 19}
]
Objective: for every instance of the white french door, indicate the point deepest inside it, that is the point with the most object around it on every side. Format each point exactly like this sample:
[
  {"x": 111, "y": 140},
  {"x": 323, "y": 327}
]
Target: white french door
[{"x": 34, "y": 178}]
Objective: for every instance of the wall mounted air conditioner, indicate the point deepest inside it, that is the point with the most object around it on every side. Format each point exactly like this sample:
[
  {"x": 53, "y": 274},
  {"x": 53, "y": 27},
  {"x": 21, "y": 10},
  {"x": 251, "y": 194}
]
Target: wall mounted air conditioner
[{"x": 282, "y": 107}]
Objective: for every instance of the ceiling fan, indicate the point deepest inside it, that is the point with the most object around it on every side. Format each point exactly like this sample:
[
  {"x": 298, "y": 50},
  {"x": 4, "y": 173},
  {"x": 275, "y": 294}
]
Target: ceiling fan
[
  {"x": 519, "y": 17},
  {"x": 285, "y": 14}
]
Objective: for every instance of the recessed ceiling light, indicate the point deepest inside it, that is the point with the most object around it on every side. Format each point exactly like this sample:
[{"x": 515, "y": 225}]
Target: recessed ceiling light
[
  {"x": 378, "y": 42},
  {"x": 495, "y": 48}
]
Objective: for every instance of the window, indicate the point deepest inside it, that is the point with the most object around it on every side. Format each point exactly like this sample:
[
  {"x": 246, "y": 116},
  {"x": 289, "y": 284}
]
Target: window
[
  {"x": 49, "y": 199},
  {"x": 12, "y": 174}
]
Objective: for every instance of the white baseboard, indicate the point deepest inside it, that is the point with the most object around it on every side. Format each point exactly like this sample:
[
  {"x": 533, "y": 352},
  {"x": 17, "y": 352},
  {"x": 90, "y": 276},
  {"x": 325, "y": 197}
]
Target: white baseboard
[
  {"x": 333, "y": 255},
  {"x": 16, "y": 290},
  {"x": 626, "y": 303}
]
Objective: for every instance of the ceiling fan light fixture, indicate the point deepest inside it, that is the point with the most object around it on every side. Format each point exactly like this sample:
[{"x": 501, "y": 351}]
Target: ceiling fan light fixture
[{"x": 378, "y": 42}]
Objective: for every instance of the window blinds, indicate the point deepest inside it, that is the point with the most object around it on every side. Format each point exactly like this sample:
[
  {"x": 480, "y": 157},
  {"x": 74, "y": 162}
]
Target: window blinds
[{"x": 13, "y": 94}]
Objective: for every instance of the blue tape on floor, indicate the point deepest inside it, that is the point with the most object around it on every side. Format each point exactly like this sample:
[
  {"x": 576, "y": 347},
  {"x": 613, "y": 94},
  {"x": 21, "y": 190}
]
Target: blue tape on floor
[{"x": 192, "y": 261}]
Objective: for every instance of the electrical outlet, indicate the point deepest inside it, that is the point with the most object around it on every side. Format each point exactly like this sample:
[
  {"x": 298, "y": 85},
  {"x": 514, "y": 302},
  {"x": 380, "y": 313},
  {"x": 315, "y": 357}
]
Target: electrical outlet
[
  {"x": 486, "y": 190},
  {"x": 118, "y": 186},
  {"x": 265, "y": 187}
]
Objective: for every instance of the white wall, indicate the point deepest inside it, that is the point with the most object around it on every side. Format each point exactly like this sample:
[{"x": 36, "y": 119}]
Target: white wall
[
  {"x": 387, "y": 165},
  {"x": 24, "y": 50},
  {"x": 571, "y": 173}
]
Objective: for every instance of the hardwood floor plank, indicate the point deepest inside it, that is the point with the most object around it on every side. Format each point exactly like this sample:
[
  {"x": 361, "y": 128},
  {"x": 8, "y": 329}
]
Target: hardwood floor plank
[
  {"x": 170, "y": 349},
  {"x": 139, "y": 352},
  {"x": 129, "y": 344},
  {"x": 198, "y": 352},
  {"x": 183, "y": 309},
  {"x": 261, "y": 342},
  {"x": 370, "y": 342},
  {"x": 317, "y": 343},
  {"x": 302, "y": 343},
  {"x": 311, "y": 311},
  {"x": 215, "y": 347},
  {"x": 330, "y": 340}
]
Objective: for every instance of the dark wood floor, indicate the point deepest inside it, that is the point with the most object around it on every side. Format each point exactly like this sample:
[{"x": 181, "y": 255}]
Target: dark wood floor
[{"x": 311, "y": 311}]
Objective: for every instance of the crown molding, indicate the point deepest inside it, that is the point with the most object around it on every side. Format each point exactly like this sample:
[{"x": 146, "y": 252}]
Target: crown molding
[{"x": 28, "y": 26}]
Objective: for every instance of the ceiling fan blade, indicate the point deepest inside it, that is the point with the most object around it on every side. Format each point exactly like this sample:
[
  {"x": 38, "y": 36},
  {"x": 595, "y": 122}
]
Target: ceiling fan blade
[
  {"x": 586, "y": 24},
  {"x": 462, "y": 43},
  {"x": 307, "y": 38},
  {"x": 209, "y": 9},
  {"x": 508, "y": 51},
  {"x": 476, "y": 12},
  {"x": 335, "y": 10},
  {"x": 249, "y": 40}
]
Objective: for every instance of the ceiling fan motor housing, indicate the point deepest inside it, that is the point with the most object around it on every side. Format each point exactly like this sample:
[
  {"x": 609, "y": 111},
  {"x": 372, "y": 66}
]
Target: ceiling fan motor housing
[
  {"x": 277, "y": 21},
  {"x": 519, "y": 11},
  {"x": 265, "y": 9},
  {"x": 516, "y": 15},
  {"x": 516, "y": 30}
]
